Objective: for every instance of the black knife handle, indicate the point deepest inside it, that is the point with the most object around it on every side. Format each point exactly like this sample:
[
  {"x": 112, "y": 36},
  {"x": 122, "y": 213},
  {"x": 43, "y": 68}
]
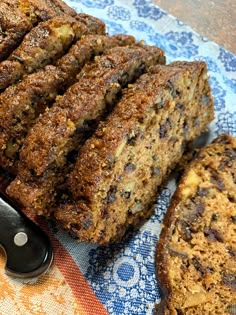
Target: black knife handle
[{"x": 28, "y": 249}]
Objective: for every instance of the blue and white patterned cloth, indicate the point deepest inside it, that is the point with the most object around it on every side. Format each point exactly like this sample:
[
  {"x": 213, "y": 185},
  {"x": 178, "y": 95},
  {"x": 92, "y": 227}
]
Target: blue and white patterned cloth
[{"x": 123, "y": 275}]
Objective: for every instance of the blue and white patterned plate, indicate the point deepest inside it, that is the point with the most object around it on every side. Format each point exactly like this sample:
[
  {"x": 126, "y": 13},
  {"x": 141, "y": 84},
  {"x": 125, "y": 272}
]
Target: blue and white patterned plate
[{"x": 123, "y": 275}]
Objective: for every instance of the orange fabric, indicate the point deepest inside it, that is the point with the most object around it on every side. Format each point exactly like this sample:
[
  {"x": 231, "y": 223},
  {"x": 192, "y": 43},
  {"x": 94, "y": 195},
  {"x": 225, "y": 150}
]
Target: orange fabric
[
  {"x": 63, "y": 290},
  {"x": 50, "y": 294},
  {"x": 77, "y": 282}
]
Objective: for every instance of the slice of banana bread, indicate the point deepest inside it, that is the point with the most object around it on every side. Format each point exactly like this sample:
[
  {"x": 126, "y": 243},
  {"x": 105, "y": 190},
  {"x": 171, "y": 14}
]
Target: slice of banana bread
[
  {"x": 115, "y": 179},
  {"x": 13, "y": 26},
  {"x": 196, "y": 253},
  {"x": 53, "y": 142},
  {"x": 17, "y": 17},
  {"x": 44, "y": 44},
  {"x": 22, "y": 103}
]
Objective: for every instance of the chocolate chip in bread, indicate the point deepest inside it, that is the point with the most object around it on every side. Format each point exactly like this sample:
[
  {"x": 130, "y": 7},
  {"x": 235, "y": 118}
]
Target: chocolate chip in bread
[
  {"x": 118, "y": 170},
  {"x": 196, "y": 252},
  {"x": 45, "y": 158}
]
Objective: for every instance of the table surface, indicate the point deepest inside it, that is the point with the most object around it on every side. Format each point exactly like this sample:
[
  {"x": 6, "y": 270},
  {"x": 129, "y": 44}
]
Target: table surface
[{"x": 215, "y": 20}]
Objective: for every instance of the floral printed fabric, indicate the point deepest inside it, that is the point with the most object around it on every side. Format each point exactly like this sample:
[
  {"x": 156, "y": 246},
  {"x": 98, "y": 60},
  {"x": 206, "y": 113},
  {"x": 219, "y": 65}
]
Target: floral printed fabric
[{"x": 120, "y": 279}]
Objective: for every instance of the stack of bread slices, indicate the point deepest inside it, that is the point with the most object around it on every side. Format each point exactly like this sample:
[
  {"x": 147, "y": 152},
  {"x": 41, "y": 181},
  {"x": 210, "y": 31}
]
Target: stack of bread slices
[{"x": 91, "y": 125}]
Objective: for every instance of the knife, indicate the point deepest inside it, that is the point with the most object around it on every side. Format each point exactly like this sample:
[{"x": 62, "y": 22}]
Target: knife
[{"x": 28, "y": 249}]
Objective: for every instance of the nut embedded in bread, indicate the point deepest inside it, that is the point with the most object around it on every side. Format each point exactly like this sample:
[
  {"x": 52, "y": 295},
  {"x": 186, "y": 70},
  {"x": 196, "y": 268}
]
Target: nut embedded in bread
[
  {"x": 115, "y": 179},
  {"x": 40, "y": 10},
  {"x": 45, "y": 157},
  {"x": 43, "y": 45},
  {"x": 98, "y": 84},
  {"x": 22, "y": 103},
  {"x": 196, "y": 253},
  {"x": 18, "y": 17},
  {"x": 13, "y": 26}
]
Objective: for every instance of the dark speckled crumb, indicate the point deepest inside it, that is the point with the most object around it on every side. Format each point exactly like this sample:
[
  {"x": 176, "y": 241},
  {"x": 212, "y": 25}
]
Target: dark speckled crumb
[
  {"x": 45, "y": 157},
  {"x": 121, "y": 195},
  {"x": 22, "y": 103},
  {"x": 43, "y": 45},
  {"x": 199, "y": 225},
  {"x": 17, "y": 20}
]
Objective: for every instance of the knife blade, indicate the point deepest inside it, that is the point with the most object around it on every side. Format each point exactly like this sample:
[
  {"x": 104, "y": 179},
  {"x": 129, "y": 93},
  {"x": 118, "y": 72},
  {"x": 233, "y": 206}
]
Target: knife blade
[{"x": 28, "y": 249}]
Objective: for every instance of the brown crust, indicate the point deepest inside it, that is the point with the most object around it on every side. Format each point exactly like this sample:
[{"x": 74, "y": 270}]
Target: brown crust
[
  {"x": 56, "y": 128},
  {"x": 74, "y": 104},
  {"x": 44, "y": 44},
  {"x": 13, "y": 26},
  {"x": 162, "y": 254},
  {"x": 94, "y": 166},
  {"x": 40, "y": 47},
  {"x": 86, "y": 49},
  {"x": 95, "y": 25},
  {"x": 89, "y": 161},
  {"x": 41, "y": 10},
  {"x": 58, "y": 6},
  {"x": 21, "y": 104},
  {"x": 161, "y": 271},
  {"x": 17, "y": 17}
]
